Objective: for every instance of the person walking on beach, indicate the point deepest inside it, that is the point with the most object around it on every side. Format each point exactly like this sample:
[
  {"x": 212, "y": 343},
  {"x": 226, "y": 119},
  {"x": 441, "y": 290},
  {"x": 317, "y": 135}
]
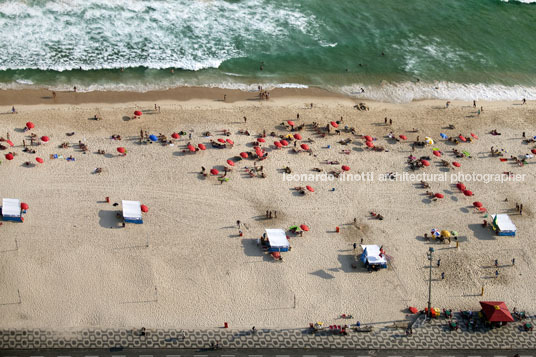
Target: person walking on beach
[
  {"x": 521, "y": 209},
  {"x": 238, "y": 224},
  {"x": 390, "y": 122},
  {"x": 474, "y": 103},
  {"x": 224, "y": 97},
  {"x": 13, "y": 111},
  {"x": 245, "y": 120},
  {"x": 496, "y": 263},
  {"x": 298, "y": 116},
  {"x": 443, "y": 276},
  {"x": 524, "y": 101},
  {"x": 496, "y": 274},
  {"x": 439, "y": 262},
  {"x": 355, "y": 246},
  {"x": 513, "y": 261}
]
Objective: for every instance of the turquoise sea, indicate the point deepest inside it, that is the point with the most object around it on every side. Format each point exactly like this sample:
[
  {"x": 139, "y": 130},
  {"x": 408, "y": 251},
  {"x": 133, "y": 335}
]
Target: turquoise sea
[{"x": 450, "y": 49}]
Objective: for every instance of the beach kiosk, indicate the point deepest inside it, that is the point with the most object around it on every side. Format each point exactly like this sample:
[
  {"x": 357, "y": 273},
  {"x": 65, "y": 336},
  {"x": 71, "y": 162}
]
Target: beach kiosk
[
  {"x": 503, "y": 225},
  {"x": 132, "y": 212},
  {"x": 11, "y": 210},
  {"x": 277, "y": 240},
  {"x": 373, "y": 258}
]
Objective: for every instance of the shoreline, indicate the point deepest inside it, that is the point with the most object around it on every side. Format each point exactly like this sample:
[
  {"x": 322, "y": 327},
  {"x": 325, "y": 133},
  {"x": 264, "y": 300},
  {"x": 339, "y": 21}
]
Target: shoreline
[{"x": 196, "y": 95}]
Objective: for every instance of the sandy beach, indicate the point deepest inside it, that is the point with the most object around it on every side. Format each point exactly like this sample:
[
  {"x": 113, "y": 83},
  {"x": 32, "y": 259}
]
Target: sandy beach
[{"x": 73, "y": 265}]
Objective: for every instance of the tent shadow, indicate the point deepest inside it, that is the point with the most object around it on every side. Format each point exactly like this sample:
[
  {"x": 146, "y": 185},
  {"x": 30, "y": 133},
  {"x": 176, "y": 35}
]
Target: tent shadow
[
  {"x": 347, "y": 260},
  {"x": 109, "y": 219},
  {"x": 251, "y": 249},
  {"x": 481, "y": 232}
]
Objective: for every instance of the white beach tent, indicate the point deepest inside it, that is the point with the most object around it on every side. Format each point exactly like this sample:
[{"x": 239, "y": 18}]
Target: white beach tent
[
  {"x": 132, "y": 212},
  {"x": 371, "y": 255},
  {"x": 503, "y": 225},
  {"x": 278, "y": 240},
  {"x": 11, "y": 210}
]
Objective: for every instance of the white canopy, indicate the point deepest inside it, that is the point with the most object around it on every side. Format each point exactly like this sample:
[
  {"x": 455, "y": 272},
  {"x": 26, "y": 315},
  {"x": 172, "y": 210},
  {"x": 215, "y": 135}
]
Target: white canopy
[
  {"x": 277, "y": 238},
  {"x": 132, "y": 210},
  {"x": 504, "y": 223},
  {"x": 373, "y": 254},
  {"x": 10, "y": 207}
]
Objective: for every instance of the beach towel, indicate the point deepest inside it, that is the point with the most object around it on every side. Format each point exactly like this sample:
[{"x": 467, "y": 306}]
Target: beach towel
[{"x": 466, "y": 153}]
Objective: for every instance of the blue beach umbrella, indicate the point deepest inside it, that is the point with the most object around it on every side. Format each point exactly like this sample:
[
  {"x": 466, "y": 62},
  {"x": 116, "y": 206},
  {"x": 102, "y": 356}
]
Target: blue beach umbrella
[
  {"x": 153, "y": 137},
  {"x": 443, "y": 136}
]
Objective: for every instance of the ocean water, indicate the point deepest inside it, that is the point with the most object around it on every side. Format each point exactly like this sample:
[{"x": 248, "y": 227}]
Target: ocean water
[{"x": 397, "y": 51}]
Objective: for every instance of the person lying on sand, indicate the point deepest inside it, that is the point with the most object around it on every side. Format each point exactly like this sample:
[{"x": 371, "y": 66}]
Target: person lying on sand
[{"x": 425, "y": 184}]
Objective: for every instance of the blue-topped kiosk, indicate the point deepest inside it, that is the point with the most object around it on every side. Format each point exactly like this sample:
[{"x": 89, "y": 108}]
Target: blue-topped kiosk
[
  {"x": 132, "y": 212},
  {"x": 11, "y": 210},
  {"x": 503, "y": 225}
]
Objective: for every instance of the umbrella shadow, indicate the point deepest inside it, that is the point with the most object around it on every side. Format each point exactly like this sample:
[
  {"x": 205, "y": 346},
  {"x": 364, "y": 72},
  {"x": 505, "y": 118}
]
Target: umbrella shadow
[
  {"x": 110, "y": 219},
  {"x": 464, "y": 209},
  {"x": 125, "y": 118},
  {"x": 322, "y": 274},
  {"x": 426, "y": 201},
  {"x": 19, "y": 130},
  {"x": 454, "y": 198},
  {"x": 481, "y": 232}
]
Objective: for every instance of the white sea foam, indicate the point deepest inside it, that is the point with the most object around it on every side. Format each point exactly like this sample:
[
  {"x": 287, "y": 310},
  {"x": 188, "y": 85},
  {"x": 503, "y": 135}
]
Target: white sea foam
[
  {"x": 409, "y": 91},
  {"x": 99, "y": 34},
  {"x": 522, "y": 1}
]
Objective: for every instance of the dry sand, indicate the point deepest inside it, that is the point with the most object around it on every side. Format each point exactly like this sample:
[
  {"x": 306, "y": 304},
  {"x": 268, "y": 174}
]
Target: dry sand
[{"x": 75, "y": 266}]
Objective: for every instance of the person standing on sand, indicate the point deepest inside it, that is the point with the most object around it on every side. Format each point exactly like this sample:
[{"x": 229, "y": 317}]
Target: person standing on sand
[
  {"x": 524, "y": 101},
  {"x": 298, "y": 116},
  {"x": 225, "y": 97},
  {"x": 390, "y": 122},
  {"x": 238, "y": 224},
  {"x": 74, "y": 89},
  {"x": 474, "y": 103},
  {"x": 13, "y": 111},
  {"x": 54, "y": 95}
]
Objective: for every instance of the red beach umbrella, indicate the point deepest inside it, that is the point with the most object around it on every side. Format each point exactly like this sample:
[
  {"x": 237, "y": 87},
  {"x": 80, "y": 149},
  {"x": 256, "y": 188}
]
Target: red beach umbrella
[
  {"x": 121, "y": 150},
  {"x": 214, "y": 171},
  {"x": 345, "y": 168},
  {"x": 175, "y": 136},
  {"x": 474, "y": 136},
  {"x": 244, "y": 155},
  {"x": 30, "y": 125},
  {"x": 24, "y": 205},
  {"x": 9, "y": 157},
  {"x": 290, "y": 122},
  {"x": 297, "y": 136},
  {"x": 460, "y": 186},
  {"x": 533, "y": 151},
  {"x": 368, "y": 138},
  {"x": 39, "y": 160},
  {"x": 403, "y": 137},
  {"x": 496, "y": 311},
  {"x": 230, "y": 162},
  {"x": 202, "y": 146},
  {"x": 334, "y": 124},
  {"x": 439, "y": 195},
  {"x": 45, "y": 138},
  {"x": 261, "y": 140},
  {"x": 369, "y": 144},
  {"x": 425, "y": 162},
  {"x": 477, "y": 204},
  {"x": 309, "y": 188},
  {"x": 284, "y": 142},
  {"x": 304, "y": 146},
  {"x": 10, "y": 143},
  {"x": 437, "y": 153},
  {"x": 221, "y": 140},
  {"x": 278, "y": 144},
  {"x": 144, "y": 208},
  {"x": 138, "y": 113},
  {"x": 467, "y": 193},
  {"x": 462, "y": 138},
  {"x": 191, "y": 147},
  {"x": 229, "y": 141},
  {"x": 457, "y": 164},
  {"x": 304, "y": 228}
]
